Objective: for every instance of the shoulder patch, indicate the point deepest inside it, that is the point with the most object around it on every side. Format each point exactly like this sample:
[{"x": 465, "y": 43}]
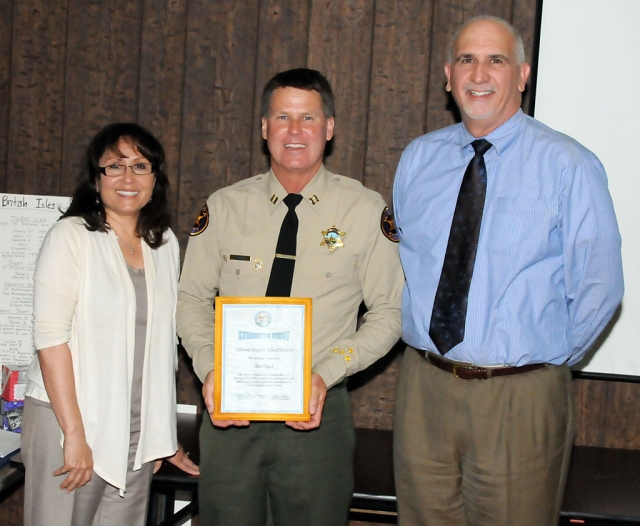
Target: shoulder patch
[
  {"x": 388, "y": 225},
  {"x": 202, "y": 221}
]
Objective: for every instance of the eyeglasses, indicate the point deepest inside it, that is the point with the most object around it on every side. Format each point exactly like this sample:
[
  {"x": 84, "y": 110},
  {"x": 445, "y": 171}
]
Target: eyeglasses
[{"x": 118, "y": 170}]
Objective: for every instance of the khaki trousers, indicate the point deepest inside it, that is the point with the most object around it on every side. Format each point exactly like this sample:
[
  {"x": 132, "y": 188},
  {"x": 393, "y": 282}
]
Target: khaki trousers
[
  {"x": 481, "y": 452},
  {"x": 269, "y": 472},
  {"x": 96, "y": 503}
]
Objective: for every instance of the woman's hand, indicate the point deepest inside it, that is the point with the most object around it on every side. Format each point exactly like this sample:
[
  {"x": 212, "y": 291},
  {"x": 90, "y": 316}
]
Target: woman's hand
[
  {"x": 182, "y": 461},
  {"x": 78, "y": 464},
  {"x": 59, "y": 381}
]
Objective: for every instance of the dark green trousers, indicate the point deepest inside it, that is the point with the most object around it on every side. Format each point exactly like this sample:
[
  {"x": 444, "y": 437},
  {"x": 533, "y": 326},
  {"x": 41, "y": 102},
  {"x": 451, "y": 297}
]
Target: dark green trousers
[{"x": 301, "y": 478}]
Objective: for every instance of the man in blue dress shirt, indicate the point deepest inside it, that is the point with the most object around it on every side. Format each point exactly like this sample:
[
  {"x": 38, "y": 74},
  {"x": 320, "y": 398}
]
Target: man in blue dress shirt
[{"x": 483, "y": 430}]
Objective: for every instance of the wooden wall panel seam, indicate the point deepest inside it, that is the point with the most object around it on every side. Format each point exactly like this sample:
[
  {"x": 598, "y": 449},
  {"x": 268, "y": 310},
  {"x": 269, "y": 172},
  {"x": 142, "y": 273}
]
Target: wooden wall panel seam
[
  {"x": 428, "y": 65},
  {"x": 64, "y": 103},
  {"x": 255, "y": 104},
  {"x": 5, "y": 101},
  {"x": 180, "y": 145}
]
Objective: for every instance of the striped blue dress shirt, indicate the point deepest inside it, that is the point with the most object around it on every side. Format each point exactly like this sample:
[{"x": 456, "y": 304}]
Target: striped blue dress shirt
[{"x": 548, "y": 270}]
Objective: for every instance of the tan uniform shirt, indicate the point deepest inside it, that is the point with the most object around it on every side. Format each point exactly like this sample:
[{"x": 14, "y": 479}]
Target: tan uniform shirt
[{"x": 245, "y": 220}]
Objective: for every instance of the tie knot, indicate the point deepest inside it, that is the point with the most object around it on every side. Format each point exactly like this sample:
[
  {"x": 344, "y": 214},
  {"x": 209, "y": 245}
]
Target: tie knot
[
  {"x": 292, "y": 200},
  {"x": 480, "y": 146}
]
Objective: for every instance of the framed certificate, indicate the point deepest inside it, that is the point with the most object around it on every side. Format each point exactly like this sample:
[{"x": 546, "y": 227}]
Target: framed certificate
[{"x": 262, "y": 358}]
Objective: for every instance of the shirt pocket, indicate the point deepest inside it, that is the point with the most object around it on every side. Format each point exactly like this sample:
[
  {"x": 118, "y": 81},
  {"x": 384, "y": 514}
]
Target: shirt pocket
[
  {"x": 325, "y": 273},
  {"x": 519, "y": 224},
  {"x": 243, "y": 274}
]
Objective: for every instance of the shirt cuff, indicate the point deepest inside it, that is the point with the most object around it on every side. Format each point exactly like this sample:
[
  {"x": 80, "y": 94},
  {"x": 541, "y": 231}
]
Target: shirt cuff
[
  {"x": 203, "y": 363},
  {"x": 332, "y": 369}
]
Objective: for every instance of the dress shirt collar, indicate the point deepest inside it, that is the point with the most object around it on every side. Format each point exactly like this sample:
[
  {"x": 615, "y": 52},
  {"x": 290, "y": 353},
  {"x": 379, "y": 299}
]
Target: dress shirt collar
[
  {"x": 500, "y": 138},
  {"x": 312, "y": 193}
]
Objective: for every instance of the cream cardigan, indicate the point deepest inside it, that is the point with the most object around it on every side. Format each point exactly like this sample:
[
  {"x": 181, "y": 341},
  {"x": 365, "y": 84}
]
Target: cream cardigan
[{"x": 83, "y": 295}]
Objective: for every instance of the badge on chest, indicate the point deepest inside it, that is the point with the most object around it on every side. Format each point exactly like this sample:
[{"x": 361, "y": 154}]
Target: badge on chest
[{"x": 332, "y": 238}]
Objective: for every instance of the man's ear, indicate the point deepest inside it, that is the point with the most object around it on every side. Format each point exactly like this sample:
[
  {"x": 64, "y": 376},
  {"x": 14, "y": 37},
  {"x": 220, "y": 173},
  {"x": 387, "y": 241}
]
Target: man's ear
[
  {"x": 525, "y": 69},
  {"x": 330, "y": 124},
  {"x": 447, "y": 72}
]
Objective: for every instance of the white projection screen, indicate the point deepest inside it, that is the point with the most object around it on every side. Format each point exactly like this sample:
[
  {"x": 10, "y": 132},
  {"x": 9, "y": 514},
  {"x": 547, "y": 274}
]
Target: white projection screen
[{"x": 588, "y": 86}]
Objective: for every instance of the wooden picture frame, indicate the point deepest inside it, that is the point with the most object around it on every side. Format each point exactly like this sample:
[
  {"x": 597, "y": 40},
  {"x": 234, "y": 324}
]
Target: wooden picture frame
[{"x": 262, "y": 358}]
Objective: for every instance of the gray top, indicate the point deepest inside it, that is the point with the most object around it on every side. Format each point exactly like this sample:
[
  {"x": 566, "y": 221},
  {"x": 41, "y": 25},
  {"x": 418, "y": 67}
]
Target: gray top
[{"x": 140, "y": 286}]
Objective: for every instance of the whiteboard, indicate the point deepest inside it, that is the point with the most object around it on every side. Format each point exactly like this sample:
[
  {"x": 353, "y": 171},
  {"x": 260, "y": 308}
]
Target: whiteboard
[
  {"x": 588, "y": 86},
  {"x": 24, "y": 221}
]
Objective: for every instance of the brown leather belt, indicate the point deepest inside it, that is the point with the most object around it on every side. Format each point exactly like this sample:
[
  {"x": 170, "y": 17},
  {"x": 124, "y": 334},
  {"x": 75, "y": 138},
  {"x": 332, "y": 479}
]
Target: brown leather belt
[{"x": 471, "y": 372}]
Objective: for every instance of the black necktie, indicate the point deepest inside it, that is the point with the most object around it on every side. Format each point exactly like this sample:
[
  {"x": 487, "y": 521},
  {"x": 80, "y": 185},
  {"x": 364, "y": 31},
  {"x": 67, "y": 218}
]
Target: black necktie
[
  {"x": 285, "y": 260},
  {"x": 450, "y": 305}
]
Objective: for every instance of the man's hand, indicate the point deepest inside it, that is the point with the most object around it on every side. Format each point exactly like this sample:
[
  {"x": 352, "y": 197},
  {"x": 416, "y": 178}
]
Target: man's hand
[
  {"x": 78, "y": 464},
  {"x": 207, "y": 394},
  {"x": 316, "y": 404},
  {"x": 180, "y": 460}
]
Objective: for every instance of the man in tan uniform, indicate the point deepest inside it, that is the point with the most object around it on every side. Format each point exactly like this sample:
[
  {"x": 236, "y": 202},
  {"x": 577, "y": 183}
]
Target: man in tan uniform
[{"x": 346, "y": 254}]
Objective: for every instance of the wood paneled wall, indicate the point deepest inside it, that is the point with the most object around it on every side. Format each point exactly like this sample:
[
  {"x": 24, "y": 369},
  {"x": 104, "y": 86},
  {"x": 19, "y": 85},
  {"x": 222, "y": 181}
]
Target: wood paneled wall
[{"x": 192, "y": 72}]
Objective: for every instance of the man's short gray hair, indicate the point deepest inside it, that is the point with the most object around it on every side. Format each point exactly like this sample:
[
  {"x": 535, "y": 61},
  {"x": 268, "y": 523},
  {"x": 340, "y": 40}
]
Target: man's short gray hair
[{"x": 519, "y": 46}]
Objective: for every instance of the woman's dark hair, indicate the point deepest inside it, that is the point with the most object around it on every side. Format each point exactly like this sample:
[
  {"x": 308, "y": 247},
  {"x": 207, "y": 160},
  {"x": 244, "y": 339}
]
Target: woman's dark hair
[{"x": 155, "y": 217}]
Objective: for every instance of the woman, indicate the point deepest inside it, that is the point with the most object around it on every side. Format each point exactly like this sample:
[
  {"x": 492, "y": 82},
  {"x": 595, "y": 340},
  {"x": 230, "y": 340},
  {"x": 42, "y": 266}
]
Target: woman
[{"x": 100, "y": 404}]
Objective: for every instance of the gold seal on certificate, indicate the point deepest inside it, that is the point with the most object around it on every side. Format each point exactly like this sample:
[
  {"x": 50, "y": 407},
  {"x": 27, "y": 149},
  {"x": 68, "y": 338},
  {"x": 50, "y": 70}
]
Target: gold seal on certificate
[{"x": 262, "y": 358}]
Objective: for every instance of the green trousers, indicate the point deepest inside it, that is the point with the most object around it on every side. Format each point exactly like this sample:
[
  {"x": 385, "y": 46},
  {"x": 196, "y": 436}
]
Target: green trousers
[{"x": 268, "y": 473}]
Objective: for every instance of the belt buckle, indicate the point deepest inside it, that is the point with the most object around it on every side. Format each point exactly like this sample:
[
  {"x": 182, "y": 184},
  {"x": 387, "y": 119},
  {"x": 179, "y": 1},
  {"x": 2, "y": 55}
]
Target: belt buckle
[{"x": 455, "y": 370}]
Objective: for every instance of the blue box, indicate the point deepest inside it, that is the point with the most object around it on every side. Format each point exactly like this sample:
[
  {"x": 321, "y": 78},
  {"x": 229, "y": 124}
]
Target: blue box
[{"x": 10, "y": 405}]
